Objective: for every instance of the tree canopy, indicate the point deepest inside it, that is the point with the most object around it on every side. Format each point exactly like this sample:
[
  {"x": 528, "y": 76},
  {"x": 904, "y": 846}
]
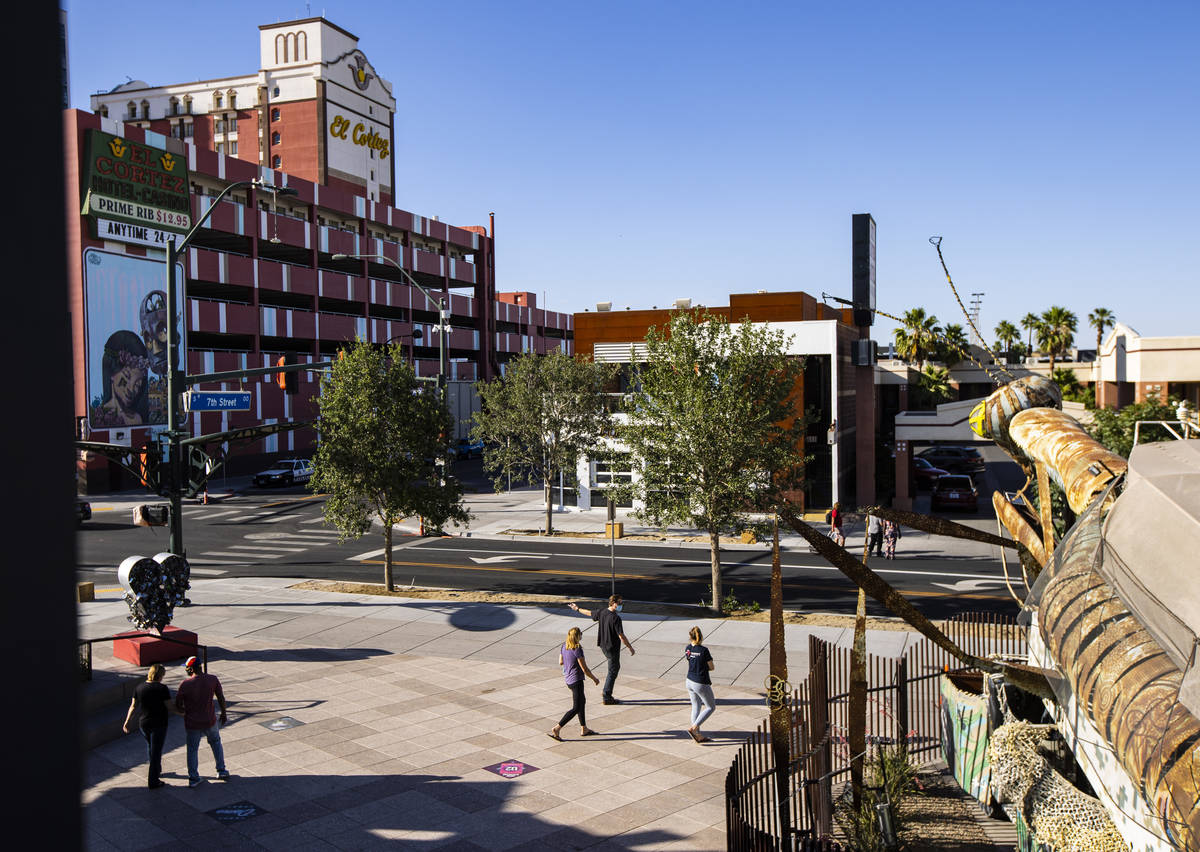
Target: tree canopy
[
  {"x": 917, "y": 341},
  {"x": 1114, "y": 428},
  {"x": 715, "y": 428},
  {"x": 1100, "y": 319},
  {"x": 1007, "y": 335},
  {"x": 382, "y": 437},
  {"x": 1056, "y": 332},
  {"x": 539, "y": 416}
]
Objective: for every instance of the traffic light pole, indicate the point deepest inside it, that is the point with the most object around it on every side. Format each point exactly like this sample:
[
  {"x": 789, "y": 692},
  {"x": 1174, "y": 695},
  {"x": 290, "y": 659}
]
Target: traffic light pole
[{"x": 176, "y": 373}]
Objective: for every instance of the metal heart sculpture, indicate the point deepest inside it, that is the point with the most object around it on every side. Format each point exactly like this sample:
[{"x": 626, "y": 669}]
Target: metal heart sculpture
[{"x": 153, "y": 588}]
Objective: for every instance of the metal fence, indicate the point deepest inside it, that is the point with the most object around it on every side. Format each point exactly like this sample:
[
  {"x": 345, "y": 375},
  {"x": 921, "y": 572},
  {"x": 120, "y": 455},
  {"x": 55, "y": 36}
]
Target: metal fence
[{"x": 903, "y": 706}]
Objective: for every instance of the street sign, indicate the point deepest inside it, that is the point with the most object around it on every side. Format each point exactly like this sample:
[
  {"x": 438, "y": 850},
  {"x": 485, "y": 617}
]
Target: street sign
[{"x": 216, "y": 401}]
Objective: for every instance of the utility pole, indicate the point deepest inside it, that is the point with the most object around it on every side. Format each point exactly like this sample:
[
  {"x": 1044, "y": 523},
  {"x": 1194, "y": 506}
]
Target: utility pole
[{"x": 177, "y": 378}]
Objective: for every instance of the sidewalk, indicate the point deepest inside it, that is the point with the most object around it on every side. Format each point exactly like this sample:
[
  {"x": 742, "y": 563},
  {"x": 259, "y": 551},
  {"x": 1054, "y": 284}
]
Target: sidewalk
[{"x": 356, "y": 722}]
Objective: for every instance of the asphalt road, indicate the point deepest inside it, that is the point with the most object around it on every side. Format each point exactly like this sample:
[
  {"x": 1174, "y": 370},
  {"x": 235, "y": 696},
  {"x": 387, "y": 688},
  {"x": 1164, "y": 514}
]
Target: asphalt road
[{"x": 282, "y": 533}]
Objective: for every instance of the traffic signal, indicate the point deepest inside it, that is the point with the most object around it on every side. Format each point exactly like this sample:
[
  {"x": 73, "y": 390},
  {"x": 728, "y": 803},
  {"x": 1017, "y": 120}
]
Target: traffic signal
[{"x": 288, "y": 380}]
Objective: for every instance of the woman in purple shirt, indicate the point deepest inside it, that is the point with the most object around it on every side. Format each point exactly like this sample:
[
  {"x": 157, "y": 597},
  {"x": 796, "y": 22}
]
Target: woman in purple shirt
[{"x": 570, "y": 657}]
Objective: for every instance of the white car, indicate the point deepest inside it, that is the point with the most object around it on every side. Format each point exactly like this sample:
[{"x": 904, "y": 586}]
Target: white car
[{"x": 285, "y": 472}]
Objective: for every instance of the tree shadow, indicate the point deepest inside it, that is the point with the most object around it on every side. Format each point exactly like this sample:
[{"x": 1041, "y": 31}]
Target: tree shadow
[{"x": 417, "y": 811}]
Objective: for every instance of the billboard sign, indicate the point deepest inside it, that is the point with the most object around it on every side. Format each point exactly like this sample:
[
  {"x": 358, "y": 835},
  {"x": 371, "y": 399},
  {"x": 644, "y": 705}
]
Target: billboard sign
[
  {"x": 135, "y": 184},
  {"x": 125, "y": 303}
]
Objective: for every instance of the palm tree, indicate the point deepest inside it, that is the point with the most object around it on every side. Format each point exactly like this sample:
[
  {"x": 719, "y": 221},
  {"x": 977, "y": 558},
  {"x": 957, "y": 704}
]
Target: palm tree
[
  {"x": 1006, "y": 335},
  {"x": 954, "y": 343},
  {"x": 1056, "y": 332},
  {"x": 1030, "y": 323},
  {"x": 934, "y": 385},
  {"x": 1100, "y": 319},
  {"x": 918, "y": 339}
]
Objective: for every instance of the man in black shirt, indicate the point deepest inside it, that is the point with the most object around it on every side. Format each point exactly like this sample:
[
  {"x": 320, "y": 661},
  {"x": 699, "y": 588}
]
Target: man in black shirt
[
  {"x": 610, "y": 634},
  {"x": 152, "y": 701}
]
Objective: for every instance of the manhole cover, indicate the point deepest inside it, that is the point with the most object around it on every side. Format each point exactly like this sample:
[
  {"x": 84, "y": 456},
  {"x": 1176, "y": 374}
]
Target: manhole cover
[
  {"x": 511, "y": 768},
  {"x": 281, "y": 724},
  {"x": 236, "y": 812}
]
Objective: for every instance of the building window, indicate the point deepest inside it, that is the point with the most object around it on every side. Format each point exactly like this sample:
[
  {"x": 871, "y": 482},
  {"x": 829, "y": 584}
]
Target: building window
[
  {"x": 275, "y": 112},
  {"x": 219, "y": 125},
  {"x": 174, "y": 106},
  {"x": 372, "y": 174},
  {"x": 176, "y": 129},
  {"x": 220, "y": 147},
  {"x": 232, "y": 99},
  {"x": 232, "y": 122},
  {"x": 275, "y": 138},
  {"x": 145, "y": 109},
  {"x": 275, "y": 94},
  {"x": 218, "y": 100},
  {"x": 233, "y": 148},
  {"x": 103, "y": 111},
  {"x": 187, "y": 104},
  {"x": 276, "y": 163},
  {"x": 186, "y": 133}
]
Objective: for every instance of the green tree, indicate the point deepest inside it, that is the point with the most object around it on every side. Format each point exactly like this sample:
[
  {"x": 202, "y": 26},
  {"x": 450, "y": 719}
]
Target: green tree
[
  {"x": 539, "y": 416},
  {"x": 382, "y": 438},
  {"x": 1007, "y": 334},
  {"x": 1072, "y": 389},
  {"x": 715, "y": 427},
  {"x": 933, "y": 387},
  {"x": 1100, "y": 319},
  {"x": 953, "y": 344},
  {"x": 1030, "y": 322},
  {"x": 1114, "y": 427},
  {"x": 1056, "y": 333},
  {"x": 916, "y": 342}
]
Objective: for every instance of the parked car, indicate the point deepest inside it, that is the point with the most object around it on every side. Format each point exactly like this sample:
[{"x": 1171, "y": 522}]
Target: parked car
[
  {"x": 955, "y": 491},
  {"x": 83, "y": 511},
  {"x": 954, "y": 459},
  {"x": 467, "y": 449},
  {"x": 285, "y": 472},
  {"x": 925, "y": 474}
]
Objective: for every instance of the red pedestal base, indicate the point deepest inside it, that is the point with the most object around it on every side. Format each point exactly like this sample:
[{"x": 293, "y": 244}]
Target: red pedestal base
[{"x": 144, "y": 650}]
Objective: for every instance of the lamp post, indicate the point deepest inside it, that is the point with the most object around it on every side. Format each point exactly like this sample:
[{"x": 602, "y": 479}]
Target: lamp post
[
  {"x": 176, "y": 377},
  {"x": 413, "y": 336},
  {"x": 443, "y": 313}
]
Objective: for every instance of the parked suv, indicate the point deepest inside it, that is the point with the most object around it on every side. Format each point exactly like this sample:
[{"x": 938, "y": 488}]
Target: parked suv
[
  {"x": 954, "y": 459},
  {"x": 956, "y": 490}
]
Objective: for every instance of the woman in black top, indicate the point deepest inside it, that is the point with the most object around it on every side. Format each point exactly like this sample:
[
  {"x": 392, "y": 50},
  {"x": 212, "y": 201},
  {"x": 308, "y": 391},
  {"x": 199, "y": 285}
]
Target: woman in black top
[
  {"x": 153, "y": 702},
  {"x": 699, "y": 684}
]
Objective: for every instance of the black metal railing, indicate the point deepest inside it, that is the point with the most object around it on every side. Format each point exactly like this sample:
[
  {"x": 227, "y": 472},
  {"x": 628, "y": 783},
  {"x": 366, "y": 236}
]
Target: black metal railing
[{"x": 85, "y": 650}]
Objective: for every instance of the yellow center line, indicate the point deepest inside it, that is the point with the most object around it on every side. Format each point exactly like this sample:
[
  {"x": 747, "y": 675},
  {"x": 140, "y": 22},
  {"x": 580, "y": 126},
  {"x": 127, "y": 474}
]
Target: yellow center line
[{"x": 559, "y": 572}]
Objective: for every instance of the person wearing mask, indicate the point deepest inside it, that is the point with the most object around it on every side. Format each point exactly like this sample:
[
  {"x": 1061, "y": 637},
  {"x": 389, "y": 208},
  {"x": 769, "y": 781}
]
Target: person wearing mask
[
  {"x": 610, "y": 635},
  {"x": 574, "y": 666},
  {"x": 699, "y": 683}
]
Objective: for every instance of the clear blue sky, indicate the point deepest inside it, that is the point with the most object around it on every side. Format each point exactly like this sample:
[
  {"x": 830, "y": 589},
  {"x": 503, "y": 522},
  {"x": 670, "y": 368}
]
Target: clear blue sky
[{"x": 639, "y": 152}]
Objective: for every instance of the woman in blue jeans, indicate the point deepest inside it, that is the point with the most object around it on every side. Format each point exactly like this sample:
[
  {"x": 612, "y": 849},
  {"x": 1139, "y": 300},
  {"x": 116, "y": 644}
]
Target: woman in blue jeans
[{"x": 699, "y": 684}]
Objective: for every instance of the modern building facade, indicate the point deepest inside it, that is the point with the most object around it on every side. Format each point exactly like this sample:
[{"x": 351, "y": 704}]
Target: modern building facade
[
  {"x": 823, "y": 335},
  {"x": 260, "y": 278}
]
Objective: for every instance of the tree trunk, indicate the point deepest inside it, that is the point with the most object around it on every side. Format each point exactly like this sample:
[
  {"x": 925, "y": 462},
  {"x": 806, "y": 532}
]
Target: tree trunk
[
  {"x": 548, "y": 490},
  {"x": 387, "y": 554},
  {"x": 714, "y": 539}
]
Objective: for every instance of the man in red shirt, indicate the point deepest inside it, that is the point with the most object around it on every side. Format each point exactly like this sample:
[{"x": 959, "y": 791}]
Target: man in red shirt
[{"x": 194, "y": 699}]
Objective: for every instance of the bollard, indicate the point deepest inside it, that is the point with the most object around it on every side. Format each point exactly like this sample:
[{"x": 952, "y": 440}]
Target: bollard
[{"x": 85, "y": 592}]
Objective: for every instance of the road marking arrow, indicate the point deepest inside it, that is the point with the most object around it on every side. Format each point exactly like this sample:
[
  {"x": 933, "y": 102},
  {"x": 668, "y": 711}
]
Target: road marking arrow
[
  {"x": 491, "y": 560},
  {"x": 967, "y": 585}
]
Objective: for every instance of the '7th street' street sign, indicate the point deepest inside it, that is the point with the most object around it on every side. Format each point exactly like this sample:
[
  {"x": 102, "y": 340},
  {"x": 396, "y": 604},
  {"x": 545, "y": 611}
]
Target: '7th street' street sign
[{"x": 217, "y": 401}]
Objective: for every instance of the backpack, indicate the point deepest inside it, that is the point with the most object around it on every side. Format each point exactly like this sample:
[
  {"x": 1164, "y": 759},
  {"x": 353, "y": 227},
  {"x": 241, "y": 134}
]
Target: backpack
[{"x": 829, "y": 517}]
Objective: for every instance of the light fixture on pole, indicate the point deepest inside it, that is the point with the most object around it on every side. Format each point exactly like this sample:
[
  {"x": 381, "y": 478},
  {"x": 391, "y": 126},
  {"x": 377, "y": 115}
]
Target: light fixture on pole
[
  {"x": 413, "y": 336},
  {"x": 176, "y": 377}
]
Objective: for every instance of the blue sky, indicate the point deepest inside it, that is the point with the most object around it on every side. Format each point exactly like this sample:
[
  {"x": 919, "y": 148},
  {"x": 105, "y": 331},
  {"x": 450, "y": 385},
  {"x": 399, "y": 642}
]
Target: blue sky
[{"x": 642, "y": 152}]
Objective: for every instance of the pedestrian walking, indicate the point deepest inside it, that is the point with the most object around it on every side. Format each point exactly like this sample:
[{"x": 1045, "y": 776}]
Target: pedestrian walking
[
  {"x": 610, "y": 635},
  {"x": 699, "y": 683},
  {"x": 194, "y": 699},
  {"x": 835, "y": 525},
  {"x": 152, "y": 702},
  {"x": 574, "y": 666},
  {"x": 874, "y": 536},
  {"x": 891, "y": 534}
]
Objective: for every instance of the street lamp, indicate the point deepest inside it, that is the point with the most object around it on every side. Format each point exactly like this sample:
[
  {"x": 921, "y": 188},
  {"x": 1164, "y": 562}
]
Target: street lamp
[
  {"x": 443, "y": 313},
  {"x": 413, "y": 336},
  {"x": 177, "y": 377}
]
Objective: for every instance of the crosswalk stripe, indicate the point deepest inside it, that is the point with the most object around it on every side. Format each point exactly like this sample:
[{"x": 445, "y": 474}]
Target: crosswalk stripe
[
  {"x": 199, "y": 560},
  {"x": 243, "y": 555},
  {"x": 370, "y": 554},
  {"x": 315, "y": 542},
  {"x": 277, "y": 519},
  {"x": 276, "y": 549},
  {"x": 322, "y": 532},
  {"x": 318, "y": 519},
  {"x": 205, "y": 572},
  {"x": 211, "y": 515}
]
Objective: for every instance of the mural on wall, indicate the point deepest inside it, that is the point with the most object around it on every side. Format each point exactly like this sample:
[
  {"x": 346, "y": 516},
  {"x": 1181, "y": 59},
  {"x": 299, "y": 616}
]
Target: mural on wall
[{"x": 126, "y": 303}]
